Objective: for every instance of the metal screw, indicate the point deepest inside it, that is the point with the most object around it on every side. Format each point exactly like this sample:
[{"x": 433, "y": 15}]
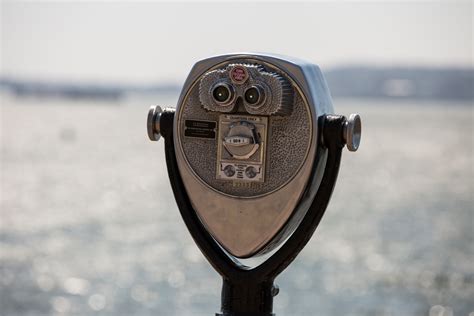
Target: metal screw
[{"x": 352, "y": 132}]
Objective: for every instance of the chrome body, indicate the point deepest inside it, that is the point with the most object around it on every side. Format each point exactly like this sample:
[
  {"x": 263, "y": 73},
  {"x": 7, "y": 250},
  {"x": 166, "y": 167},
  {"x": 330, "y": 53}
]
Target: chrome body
[{"x": 252, "y": 224}]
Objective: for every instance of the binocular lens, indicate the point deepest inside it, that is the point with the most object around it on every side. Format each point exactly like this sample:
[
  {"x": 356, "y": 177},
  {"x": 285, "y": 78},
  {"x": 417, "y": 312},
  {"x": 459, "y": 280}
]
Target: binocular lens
[
  {"x": 253, "y": 95},
  {"x": 221, "y": 93}
]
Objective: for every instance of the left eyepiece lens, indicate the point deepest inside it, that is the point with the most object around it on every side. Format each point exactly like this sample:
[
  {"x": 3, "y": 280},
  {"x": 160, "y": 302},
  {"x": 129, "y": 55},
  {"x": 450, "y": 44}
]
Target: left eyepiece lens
[{"x": 222, "y": 93}]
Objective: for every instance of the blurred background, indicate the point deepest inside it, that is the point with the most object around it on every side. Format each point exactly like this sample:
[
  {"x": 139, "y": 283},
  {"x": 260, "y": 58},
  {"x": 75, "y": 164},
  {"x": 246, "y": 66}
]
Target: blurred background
[{"x": 88, "y": 223}]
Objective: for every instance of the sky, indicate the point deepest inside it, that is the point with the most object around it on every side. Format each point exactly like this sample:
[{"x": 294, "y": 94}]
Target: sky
[{"x": 145, "y": 42}]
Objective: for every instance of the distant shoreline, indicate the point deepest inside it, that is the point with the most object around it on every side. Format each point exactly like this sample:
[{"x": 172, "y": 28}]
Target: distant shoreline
[{"x": 348, "y": 82}]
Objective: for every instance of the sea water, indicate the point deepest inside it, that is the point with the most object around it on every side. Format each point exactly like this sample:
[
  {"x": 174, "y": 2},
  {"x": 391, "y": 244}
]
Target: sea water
[{"x": 89, "y": 226}]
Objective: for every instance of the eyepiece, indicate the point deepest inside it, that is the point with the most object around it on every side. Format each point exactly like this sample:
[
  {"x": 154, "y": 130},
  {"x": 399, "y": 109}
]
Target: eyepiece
[
  {"x": 254, "y": 95},
  {"x": 222, "y": 93}
]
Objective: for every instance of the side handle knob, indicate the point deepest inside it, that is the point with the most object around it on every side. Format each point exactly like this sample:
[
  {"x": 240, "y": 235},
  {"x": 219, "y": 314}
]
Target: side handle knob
[
  {"x": 352, "y": 132},
  {"x": 340, "y": 131},
  {"x": 153, "y": 122}
]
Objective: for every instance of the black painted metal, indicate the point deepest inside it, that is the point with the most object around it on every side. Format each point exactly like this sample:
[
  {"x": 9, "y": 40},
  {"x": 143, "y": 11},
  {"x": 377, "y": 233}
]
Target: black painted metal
[{"x": 250, "y": 292}]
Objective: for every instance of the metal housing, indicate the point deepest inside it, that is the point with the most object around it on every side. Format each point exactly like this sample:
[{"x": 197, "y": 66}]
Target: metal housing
[{"x": 247, "y": 226}]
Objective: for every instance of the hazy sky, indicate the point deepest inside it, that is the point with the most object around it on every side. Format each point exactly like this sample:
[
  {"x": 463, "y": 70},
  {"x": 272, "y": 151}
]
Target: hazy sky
[{"x": 142, "y": 42}]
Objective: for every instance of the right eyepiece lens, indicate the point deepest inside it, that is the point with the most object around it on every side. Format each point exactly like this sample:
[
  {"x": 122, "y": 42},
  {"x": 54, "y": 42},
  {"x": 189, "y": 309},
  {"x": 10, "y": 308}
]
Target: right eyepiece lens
[
  {"x": 221, "y": 93},
  {"x": 252, "y": 95}
]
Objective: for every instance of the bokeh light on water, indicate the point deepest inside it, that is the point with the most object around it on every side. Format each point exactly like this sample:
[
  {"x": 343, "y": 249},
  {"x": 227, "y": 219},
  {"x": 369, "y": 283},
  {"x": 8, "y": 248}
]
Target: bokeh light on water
[{"x": 89, "y": 225}]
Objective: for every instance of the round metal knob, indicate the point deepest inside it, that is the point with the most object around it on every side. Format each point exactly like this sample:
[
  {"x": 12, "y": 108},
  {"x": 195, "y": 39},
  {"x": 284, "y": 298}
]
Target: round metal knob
[
  {"x": 352, "y": 132},
  {"x": 153, "y": 122}
]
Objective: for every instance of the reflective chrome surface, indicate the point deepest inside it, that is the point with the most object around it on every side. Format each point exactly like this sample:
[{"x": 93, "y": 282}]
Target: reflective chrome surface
[
  {"x": 353, "y": 132},
  {"x": 153, "y": 122},
  {"x": 245, "y": 226}
]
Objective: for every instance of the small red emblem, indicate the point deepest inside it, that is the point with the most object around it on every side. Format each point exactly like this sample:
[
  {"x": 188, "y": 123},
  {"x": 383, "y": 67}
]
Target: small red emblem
[{"x": 239, "y": 74}]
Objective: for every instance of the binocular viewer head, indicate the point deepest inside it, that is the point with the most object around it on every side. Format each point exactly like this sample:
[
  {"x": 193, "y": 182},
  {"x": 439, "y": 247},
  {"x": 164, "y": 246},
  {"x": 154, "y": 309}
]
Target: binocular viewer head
[{"x": 251, "y": 147}]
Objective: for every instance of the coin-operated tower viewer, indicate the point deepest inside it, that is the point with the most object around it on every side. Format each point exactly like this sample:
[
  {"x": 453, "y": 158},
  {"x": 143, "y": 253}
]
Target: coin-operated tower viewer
[{"x": 253, "y": 152}]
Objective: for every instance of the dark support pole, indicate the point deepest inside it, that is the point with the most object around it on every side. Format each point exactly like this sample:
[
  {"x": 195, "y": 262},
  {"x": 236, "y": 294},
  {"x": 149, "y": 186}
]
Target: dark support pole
[{"x": 247, "y": 298}]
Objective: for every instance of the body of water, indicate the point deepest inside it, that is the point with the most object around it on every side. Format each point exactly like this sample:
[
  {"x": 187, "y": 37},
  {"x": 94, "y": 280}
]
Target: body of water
[{"x": 89, "y": 225}]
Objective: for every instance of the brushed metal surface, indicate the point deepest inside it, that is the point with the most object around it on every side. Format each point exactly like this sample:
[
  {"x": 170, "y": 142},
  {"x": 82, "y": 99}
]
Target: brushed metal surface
[
  {"x": 245, "y": 225},
  {"x": 287, "y": 144}
]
